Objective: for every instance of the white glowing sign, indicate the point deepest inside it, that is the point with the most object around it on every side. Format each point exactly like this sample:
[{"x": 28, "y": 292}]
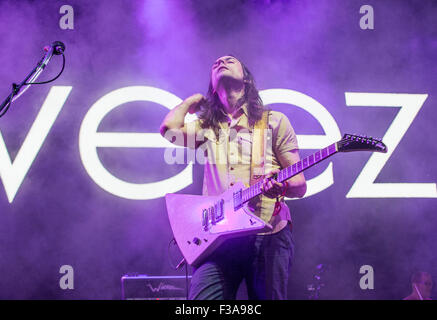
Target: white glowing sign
[
  {"x": 90, "y": 139},
  {"x": 13, "y": 173},
  {"x": 364, "y": 186},
  {"x": 326, "y": 178}
]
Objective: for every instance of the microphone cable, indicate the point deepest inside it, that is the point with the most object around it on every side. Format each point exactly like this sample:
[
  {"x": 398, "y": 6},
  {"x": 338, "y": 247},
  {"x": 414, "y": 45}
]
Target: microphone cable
[
  {"x": 173, "y": 240},
  {"x": 59, "y": 74}
]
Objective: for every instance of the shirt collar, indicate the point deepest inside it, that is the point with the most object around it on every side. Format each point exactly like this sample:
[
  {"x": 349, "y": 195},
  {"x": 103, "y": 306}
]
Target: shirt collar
[
  {"x": 239, "y": 115},
  {"x": 244, "y": 108}
]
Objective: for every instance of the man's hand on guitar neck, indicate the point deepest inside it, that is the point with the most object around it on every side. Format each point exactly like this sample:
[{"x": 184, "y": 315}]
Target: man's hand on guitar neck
[
  {"x": 294, "y": 187},
  {"x": 272, "y": 188}
]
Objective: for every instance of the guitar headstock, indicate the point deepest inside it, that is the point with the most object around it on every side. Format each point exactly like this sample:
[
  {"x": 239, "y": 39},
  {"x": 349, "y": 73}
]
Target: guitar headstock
[{"x": 351, "y": 142}]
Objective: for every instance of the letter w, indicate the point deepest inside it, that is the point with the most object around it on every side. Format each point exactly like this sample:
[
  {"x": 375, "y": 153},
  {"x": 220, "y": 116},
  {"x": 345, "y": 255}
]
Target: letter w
[{"x": 12, "y": 174}]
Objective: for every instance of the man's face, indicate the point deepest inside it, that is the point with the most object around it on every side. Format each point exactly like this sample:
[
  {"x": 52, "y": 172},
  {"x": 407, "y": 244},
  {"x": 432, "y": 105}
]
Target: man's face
[
  {"x": 425, "y": 286},
  {"x": 226, "y": 67}
]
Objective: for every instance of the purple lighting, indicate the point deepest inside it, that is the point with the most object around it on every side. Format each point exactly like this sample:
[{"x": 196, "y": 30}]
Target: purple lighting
[{"x": 312, "y": 59}]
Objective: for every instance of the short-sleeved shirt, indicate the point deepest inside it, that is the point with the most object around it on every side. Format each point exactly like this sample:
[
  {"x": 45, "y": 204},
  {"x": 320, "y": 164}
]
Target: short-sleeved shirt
[{"x": 227, "y": 159}]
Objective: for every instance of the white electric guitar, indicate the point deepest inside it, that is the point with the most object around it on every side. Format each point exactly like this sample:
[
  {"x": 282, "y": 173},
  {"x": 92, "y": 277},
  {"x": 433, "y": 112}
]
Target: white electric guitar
[{"x": 201, "y": 223}]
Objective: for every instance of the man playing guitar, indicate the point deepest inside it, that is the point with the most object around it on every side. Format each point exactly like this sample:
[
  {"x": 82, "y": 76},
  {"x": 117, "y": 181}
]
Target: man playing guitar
[{"x": 228, "y": 118}]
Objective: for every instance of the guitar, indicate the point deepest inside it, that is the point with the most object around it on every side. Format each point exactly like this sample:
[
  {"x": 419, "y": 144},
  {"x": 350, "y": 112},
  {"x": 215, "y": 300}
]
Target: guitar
[{"x": 201, "y": 223}]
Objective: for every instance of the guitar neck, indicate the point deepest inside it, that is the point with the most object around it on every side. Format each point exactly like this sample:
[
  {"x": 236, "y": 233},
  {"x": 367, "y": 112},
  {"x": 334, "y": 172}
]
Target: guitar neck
[{"x": 291, "y": 171}]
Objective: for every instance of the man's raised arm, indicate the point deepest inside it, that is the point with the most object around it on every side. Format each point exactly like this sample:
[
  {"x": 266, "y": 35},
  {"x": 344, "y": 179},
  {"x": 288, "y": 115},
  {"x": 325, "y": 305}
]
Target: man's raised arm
[{"x": 173, "y": 125}]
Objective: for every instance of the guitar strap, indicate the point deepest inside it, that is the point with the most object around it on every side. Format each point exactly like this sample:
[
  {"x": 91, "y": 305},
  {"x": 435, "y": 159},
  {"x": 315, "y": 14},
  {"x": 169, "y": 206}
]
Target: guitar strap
[{"x": 258, "y": 154}]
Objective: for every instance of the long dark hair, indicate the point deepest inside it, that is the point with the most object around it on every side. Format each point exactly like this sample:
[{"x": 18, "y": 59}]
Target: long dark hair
[{"x": 212, "y": 113}]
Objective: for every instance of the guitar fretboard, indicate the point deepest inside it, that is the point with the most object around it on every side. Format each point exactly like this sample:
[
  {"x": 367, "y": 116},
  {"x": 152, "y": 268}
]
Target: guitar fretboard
[{"x": 291, "y": 171}]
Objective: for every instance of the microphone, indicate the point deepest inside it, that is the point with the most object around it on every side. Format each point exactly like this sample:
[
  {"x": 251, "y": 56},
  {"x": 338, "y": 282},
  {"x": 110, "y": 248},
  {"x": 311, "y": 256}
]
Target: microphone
[{"x": 56, "y": 48}]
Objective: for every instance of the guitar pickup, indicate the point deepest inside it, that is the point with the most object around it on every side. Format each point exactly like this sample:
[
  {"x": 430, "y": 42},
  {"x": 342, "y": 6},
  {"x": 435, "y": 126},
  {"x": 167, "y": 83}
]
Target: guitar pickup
[
  {"x": 238, "y": 201},
  {"x": 219, "y": 211},
  {"x": 205, "y": 219},
  {"x": 212, "y": 214}
]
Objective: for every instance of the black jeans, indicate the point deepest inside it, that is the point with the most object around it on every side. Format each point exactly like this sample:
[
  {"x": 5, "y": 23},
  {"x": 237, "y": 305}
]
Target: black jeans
[{"x": 263, "y": 261}]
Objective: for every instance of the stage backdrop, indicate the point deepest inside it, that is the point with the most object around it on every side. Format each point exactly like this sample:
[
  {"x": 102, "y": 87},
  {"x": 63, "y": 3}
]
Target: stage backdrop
[{"x": 82, "y": 163}]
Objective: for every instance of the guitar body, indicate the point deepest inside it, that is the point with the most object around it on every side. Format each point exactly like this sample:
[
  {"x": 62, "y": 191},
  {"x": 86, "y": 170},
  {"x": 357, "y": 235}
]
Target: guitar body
[
  {"x": 197, "y": 239},
  {"x": 201, "y": 223}
]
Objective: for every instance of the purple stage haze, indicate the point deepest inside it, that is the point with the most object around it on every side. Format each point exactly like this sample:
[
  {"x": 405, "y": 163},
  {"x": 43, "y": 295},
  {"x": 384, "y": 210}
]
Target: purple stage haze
[{"x": 60, "y": 216}]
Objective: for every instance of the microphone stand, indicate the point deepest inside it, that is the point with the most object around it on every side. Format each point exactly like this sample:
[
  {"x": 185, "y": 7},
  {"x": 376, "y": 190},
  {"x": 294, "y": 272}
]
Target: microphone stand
[
  {"x": 19, "y": 89},
  {"x": 318, "y": 283}
]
